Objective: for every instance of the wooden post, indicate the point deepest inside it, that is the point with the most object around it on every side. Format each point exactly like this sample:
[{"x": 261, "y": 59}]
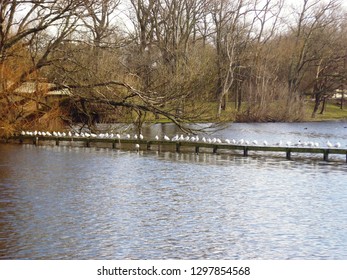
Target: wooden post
[
  {"x": 87, "y": 143},
  {"x": 57, "y": 142},
  {"x": 178, "y": 147},
  {"x": 114, "y": 144},
  {"x": 245, "y": 151},
  {"x": 36, "y": 141},
  {"x": 197, "y": 149},
  {"x": 288, "y": 154},
  {"x": 215, "y": 148},
  {"x": 326, "y": 155},
  {"x": 148, "y": 146}
]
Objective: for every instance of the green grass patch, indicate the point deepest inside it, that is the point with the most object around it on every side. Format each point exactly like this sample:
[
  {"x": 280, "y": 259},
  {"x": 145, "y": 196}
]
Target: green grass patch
[
  {"x": 332, "y": 112},
  {"x": 209, "y": 113}
]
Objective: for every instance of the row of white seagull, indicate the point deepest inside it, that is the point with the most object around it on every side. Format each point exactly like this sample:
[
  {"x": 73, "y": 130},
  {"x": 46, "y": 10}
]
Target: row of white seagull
[{"x": 178, "y": 138}]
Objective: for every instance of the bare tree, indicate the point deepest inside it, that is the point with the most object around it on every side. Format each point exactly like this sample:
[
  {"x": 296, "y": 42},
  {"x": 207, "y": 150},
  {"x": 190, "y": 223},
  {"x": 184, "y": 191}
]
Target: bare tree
[
  {"x": 258, "y": 76},
  {"x": 330, "y": 69},
  {"x": 99, "y": 19},
  {"x": 36, "y": 28},
  {"x": 231, "y": 28},
  {"x": 313, "y": 17},
  {"x": 179, "y": 58}
]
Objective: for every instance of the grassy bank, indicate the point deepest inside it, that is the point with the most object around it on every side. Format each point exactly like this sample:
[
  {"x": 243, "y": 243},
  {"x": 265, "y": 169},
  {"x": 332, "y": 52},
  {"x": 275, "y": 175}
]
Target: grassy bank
[{"x": 332, "y": 112}]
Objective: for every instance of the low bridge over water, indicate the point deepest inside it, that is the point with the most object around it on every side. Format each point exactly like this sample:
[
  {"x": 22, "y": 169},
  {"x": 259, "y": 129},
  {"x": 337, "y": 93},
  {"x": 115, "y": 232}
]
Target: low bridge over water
[{"x": 178, "y": 146}]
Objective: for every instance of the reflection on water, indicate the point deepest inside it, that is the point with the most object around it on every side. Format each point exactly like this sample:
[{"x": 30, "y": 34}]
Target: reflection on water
[{"x": 90, "y": 203}]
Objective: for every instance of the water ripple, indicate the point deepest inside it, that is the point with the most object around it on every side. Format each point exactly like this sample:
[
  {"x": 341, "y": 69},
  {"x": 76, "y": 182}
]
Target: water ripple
[{"x": 77, "y": 203}]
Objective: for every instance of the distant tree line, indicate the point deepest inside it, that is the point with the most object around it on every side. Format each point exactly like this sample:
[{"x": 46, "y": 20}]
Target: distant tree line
[{"x": 180, "y": 60}]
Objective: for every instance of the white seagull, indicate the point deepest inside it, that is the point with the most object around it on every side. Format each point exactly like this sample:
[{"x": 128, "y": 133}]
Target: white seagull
[{"x": 337, "y": 145}]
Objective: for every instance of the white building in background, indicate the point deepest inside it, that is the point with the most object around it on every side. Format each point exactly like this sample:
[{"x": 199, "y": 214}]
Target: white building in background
[
  {"x": 44, "y": 91},
  {"x": 338, "y": 94}
]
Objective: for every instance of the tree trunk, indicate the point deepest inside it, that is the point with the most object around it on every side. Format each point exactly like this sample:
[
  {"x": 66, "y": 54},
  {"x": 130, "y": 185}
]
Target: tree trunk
[
  {"x": 220, "y": 103},
  {"x": 342, "y": 99},
  {"x": 239, "y": 96},
  {"x": 224, "y": 102},
  {"x": 323, "y": 106},
  {"x": 316, "y": 106}
]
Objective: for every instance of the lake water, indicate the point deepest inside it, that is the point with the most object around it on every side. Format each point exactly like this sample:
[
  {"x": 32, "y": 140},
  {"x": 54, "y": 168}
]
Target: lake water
[{"x": 93, "y": 203}]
